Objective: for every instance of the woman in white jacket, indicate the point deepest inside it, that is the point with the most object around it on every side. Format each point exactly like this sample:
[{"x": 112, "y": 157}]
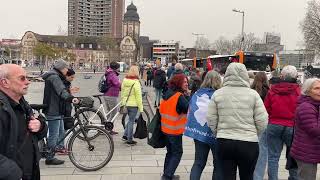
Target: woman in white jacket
[{"x": 237, "y": 115}]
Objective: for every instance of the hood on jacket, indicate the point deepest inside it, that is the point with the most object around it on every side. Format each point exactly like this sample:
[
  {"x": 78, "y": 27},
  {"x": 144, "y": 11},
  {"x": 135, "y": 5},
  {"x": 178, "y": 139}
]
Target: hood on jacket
[
  {"x": 304, "y": 98},
  {"x": 285, "y": 88},
  {"x": 52, "y": 72},
  {"x": 236, "y": 75}
]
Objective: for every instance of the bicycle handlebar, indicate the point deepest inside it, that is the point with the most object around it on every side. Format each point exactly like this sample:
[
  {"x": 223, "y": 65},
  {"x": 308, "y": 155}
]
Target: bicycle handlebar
[{"x": 38, "y": 107}]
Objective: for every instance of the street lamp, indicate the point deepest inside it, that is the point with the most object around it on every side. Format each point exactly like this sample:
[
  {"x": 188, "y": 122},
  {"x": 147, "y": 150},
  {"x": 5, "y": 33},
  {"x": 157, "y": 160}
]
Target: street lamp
[{"x": 242, "y": 29}]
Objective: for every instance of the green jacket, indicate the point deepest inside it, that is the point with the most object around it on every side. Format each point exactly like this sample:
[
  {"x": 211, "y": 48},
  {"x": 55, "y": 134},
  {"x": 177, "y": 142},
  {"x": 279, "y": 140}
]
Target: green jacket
[{"x": 135, "y": 99}]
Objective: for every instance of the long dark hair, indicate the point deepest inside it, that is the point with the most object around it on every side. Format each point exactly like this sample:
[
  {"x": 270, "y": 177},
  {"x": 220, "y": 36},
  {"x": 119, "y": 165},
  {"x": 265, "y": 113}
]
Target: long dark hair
[{"x": 260, "y": 83}]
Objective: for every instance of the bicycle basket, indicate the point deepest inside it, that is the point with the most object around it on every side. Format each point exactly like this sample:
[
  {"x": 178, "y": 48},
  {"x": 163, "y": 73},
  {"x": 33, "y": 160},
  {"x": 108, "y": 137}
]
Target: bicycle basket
[{"x": 86, "y": 102}]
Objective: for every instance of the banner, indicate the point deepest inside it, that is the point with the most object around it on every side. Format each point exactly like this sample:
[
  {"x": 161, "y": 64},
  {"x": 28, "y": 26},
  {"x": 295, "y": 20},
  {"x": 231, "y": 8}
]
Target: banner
[{"x": 197, "y": 124}]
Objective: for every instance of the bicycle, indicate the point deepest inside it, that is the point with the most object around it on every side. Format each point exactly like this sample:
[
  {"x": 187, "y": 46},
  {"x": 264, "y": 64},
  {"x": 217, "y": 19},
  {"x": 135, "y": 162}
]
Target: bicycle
[
  {"x": 82, "y": 139},
  {"x": 101, "y": 117}
]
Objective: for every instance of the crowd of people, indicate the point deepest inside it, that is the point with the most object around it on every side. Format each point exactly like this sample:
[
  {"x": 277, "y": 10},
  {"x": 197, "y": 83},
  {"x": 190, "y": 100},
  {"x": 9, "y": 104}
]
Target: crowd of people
[
  {"x": 244, "y": 119},
  {"x": 244, "y": 123}
]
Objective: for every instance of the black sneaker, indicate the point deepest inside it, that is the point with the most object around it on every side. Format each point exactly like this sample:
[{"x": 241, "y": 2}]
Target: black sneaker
[
  {"x": 174, "y": 177},
  {"x": 124, "y": 138},
  {"x": 131, "y": 143},
  {"x": 54, "y": 161}
]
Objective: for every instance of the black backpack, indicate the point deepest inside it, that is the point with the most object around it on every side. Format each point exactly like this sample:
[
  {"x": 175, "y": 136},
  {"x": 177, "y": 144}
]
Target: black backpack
[{"x": 103, "y": 86}]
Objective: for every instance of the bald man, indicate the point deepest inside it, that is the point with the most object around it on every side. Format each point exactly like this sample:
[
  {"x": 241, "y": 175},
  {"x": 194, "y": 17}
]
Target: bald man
[{"x": 19, "y": 129}]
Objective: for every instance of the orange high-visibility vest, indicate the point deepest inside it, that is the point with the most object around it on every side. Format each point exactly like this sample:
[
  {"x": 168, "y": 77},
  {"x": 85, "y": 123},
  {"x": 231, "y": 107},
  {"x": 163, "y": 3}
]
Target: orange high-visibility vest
[{"x": 171, "y": 122}]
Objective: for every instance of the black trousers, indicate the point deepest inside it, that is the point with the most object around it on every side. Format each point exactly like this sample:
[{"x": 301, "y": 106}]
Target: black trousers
[{"x": 235, "y": 154}]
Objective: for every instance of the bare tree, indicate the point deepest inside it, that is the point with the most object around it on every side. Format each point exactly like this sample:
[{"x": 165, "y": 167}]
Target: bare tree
[
  {"x": 311, "y": 27},
  {"x": 225, "y": 46},
  {"x": 202, "y": 43},
  {"x": 248, "y": 43}
]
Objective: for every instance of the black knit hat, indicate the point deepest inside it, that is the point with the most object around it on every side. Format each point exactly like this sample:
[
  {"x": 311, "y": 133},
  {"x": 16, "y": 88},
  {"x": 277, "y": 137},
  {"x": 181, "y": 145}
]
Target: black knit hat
[{"x": 114, "y": 65}]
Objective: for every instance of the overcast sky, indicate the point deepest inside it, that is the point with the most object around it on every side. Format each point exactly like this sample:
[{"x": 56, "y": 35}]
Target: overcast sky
[{"x": 170, "y": 19}]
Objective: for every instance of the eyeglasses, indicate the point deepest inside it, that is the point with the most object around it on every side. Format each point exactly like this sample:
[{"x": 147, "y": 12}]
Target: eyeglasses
[{"x": 20, "y": 78}]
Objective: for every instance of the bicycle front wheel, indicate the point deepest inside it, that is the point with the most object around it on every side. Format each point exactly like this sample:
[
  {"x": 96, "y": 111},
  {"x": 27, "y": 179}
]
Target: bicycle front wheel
[{"x": 90, "y": 154}]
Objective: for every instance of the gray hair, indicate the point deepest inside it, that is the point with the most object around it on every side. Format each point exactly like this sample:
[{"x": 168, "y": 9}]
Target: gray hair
[
  {"x": 178, "y": 66},
  {"x": 307, "y": 86},
  {"x": 4, "y": 71},
  {"x": 212, "y": 80},
  {"x": 289, "y": 72}
]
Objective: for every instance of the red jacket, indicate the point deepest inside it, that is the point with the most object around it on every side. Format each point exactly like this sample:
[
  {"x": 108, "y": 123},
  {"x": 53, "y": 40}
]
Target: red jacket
[{"x": 281, "y": 103}]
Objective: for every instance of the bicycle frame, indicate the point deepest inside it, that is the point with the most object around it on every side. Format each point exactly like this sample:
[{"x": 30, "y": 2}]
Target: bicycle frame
[
  {"x": 105, "y": 114},
  {"x": 78, "y": 123}
]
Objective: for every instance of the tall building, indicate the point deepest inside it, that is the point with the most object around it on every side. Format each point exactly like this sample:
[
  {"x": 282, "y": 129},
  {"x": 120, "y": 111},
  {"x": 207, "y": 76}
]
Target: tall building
[
  {"x": 117, "y": 18},
  {"x": 95, "y": 17}
]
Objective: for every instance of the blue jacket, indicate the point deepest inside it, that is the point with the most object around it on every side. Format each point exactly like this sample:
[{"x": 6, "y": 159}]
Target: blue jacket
[
  {"x": 170, "y": 71},
  {"x": 197, "y": 125}
]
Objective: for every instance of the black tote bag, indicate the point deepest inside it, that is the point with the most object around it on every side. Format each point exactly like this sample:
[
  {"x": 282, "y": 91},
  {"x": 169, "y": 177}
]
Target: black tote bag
[{"x": 141, "y": 130}]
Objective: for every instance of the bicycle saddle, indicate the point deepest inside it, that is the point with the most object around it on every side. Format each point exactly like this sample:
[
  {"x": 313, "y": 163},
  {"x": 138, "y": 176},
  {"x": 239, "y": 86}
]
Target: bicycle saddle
[{"x": 38, "y": 107}]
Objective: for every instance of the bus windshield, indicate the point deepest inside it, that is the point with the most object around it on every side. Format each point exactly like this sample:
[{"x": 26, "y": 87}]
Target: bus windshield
[
  {"x": 258, "y": 61},
  {"x": 199, "y": 63}
]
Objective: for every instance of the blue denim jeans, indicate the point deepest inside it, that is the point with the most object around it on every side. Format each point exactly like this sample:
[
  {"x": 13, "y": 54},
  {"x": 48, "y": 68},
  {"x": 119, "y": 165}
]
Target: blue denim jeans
[
  {"x": 128, "y": 132},
  {"x": 277, "y": 136},
  {"x": 158, "y": 93},
  {"x": 201, "y": 155},
  {"x": 262, "y": 158},
  {"x": 173, "y": 156},
  {"x": 56, "y": 133}
]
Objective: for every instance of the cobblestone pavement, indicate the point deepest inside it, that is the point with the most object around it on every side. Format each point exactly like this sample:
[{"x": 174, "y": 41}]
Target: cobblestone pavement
[{"x": 140, "y": 162}]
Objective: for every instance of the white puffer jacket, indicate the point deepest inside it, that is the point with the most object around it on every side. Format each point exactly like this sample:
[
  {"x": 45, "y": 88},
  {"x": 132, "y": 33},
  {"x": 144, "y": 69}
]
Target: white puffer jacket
[{"x": 236, "y": 111}]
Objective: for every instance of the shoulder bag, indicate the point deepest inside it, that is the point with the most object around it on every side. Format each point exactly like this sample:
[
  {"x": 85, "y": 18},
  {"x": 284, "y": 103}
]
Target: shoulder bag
[{"x": 123, "y": 108}]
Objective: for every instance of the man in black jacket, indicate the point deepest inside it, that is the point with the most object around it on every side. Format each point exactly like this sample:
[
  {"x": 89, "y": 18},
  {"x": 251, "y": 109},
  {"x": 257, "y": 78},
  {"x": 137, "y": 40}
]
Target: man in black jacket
[
  {"x": 56, "y": 95},
  {"x": 19, "y": 129}
]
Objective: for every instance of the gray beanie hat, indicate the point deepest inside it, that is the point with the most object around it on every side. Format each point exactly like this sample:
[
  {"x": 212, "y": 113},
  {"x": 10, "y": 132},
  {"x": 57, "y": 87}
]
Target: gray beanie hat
[{"x": 60, "y": 64}]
